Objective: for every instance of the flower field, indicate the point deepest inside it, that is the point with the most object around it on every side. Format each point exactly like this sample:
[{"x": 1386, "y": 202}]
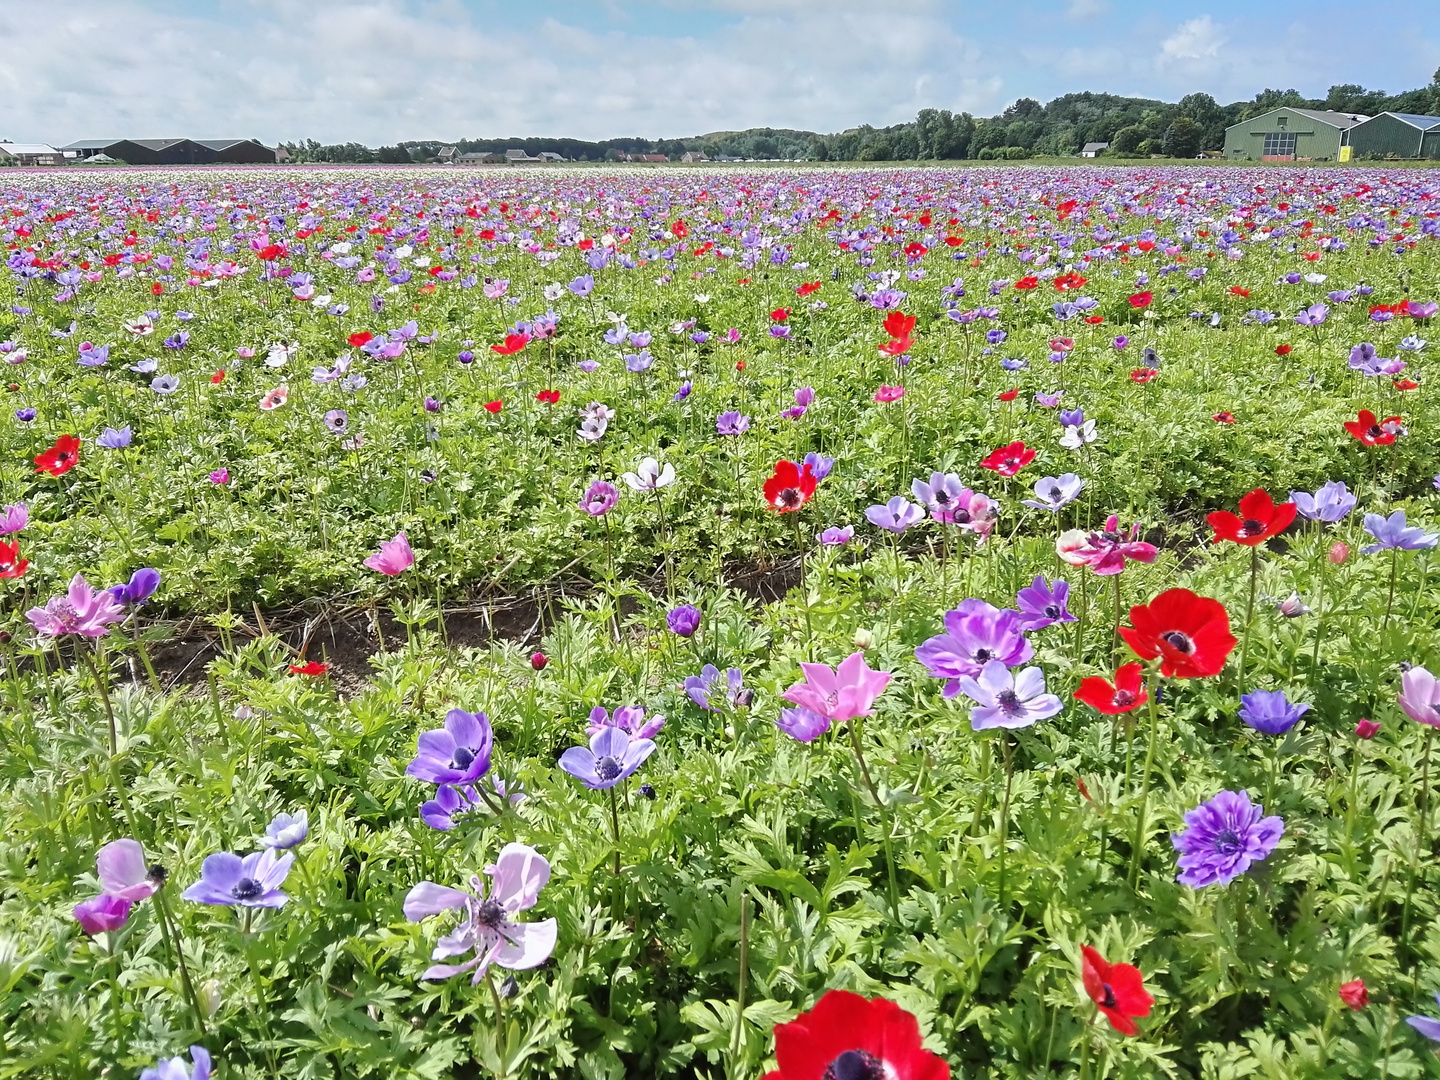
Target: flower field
[{"x": 816, "y": 625}]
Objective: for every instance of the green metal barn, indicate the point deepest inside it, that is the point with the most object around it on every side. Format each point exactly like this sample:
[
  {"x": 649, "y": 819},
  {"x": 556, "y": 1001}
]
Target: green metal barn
[
  {"x": 1288, "y": 134},
  {"x": 1400, "y": 135}
]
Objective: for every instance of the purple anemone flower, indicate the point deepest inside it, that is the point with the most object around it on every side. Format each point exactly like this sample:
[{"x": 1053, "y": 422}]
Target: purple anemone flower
[
  {"x": 1270, "y": 712},
  {"x": 80, "y": 610},
  {"x": 1042, "y": 604},
  {"x": 1329, "y": 504},
  {"x": 820, "y": 465},
  {"x": 732, "y": 423},
  {"x": 683, "y": 621},
  {"x": 458, "y": 753},
  {"x": 138, "y": 589},
  {"x": 488, "y": 929},
  {"x": 1223, "y": 837},
  {"x": 706, "y": 691},
  {"x": 450, "y": 804},
  {"x": 111, "y": 439},
  {"x": 1426, "y": 1025},
  {"x": 1053, "y": 493},
  {"x": 600, "y": 498},
  {"x": 895, "y": 516},
  {"x": 975, "y": 634},
  {"x": 802, "y": 724},
  {"x": 611, "y": 757},
  {"x": 1007, "y": 699},
  {"x": 176, "y": 1069},
  {"x": 14, "y": 518},
  {"x": 834, "y": 536},
  {"x": 253, "y": 881},
  {"x": 102, "y": 913},
  {"x": 286, "y": 831},
  {"x": 1392, "y": 534}
]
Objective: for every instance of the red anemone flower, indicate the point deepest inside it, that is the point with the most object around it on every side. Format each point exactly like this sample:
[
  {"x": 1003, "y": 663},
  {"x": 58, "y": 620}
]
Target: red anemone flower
[
  {"x": 1282, "y": 350},
  {"x": 1354, "y": 994},
  {"x": 1009, "y": 460},
  {"x": 313, "y": 668},
  {"x": 846, "y": 1035},
  {"x": 218, "y": 377},
  {"x": 11, "y": 564},
  {"x": 1127, "y": 695},
  {"x": 513, "y": 344},
  {"x": 157, "y": 288},
  {"x": 807, "y": 288},
  {"x": 1143, "y": 374},
  {"x": 549, "y": 397},
  {"x": 360, "y": 338},
  {"x": 897, "y": 346},
  {"x": 899, "y": 325},
  {"x": 780, "y": 314},
  {"x": 1066, "y": 282},
  {"x": 790, "y": 487},
  {"x": 494, "y": 406},
  {"x": 1141, "y": 299},
  {"x": 1372, "y": 431},
  {"x": 1027, "y": 282},
  {"x": 270, "y": 252},
  {"x": 1117, "y": 989},
  {"x": 1190, "y": 634},
  {"x": 1223, "y": 418},
  {"x": 1240, "y": 290},
  {"x": 1259, "y": 519},
  {"x": 1009, "y": 395},
  {"x": 61, "y": 457},
  {"x": 1406, "y": 384}
]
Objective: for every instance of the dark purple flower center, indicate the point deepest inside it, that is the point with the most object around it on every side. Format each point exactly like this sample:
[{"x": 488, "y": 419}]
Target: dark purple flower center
[
  {"x": 789, "y": 498},
  {"x": 246, "y": 889},
  {"x": 607, "y": 768},
  {"x": 490, "y": 914},
  {"x": 1251, "y": 527},
  {"x": 1122, "y": 699},
  {"x": 1373, "y": 432},
  {"x": 961, "y": 517},
  {"x": 855, "y": 1065},
  {"x": 462, "y": 758},
  {"x": 941, "y": 498},
  {"x": 1178, "y": 641},
  {"x": 1051, "y": 611},
  {"x": 983, "y": 656},
  {"x": 1108, "y": 1001},
  {"x": 1010, "y": 702},
  {"x": 158, "y": 874},
  {"x": 1227, "y": 843}
]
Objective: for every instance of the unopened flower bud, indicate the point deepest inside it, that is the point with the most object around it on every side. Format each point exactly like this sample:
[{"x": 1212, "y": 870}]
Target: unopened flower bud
[
  {"x": 509, "y": 988},
  {"x": 159, "y": 875},
  {"x": 1366, "y": 729},
  {"x": 648, "y": 791},
  {"x": 1292, "y": 606},
  {"x": 5, "y": 637},
  {"x": 538, "y": 660},
  {"x": 744, "y": 698},
  {"x": 209, "y": 995},
  {"x": 864, "y": 638},
  {"x": 1339, "y": 552}
]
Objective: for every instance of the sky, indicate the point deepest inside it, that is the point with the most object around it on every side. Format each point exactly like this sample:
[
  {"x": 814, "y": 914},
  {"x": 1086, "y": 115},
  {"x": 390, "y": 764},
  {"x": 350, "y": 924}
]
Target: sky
[{"x": 381, "y": 71}]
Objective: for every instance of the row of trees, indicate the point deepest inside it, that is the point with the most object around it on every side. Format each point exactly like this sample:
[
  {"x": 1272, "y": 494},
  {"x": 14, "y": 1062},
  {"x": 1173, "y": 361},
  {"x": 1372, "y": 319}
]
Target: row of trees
[{"x": 1136, "y": 127}]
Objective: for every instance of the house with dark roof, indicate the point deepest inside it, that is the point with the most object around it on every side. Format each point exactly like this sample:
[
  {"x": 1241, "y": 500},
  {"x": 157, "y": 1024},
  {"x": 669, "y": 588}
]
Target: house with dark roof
[
  {"x": 1289, "y": 134},
  {"x": 1397, "y": 135}
]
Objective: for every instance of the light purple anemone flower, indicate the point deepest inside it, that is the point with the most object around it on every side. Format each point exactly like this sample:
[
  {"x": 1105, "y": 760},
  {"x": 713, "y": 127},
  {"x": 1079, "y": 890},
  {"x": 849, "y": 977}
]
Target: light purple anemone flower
[
  {"x": 488, "y": 929},
  {"x": 706, "y": 691},
  {"x": 176, "y": 1069},
  {"x": 945, "y": 496},
  {"x": 286, "y": 831},
  {"x": 450, "y": 803},
  {"x": 113, "y": 439},
  {"x": 834, "y": 536},
  {"x": 895, "y": 516},
  {"x": 732, "y": 423},
  {"x": 458, "y": 753},
  {"x": 253, "y": 881},
  {"x": 975, "y": 634},
  {"x": 629, "y": 717},
  {"x": 1330, "y": 503},
  {"x": 1053, "y": 493},
  {"x": 124, "y": 873},
  {"x": 1007, "y": 699},
  {"x": 611, "y": 757},
  {"x": 80, "y": 610},
  {"x": 802, "y": 724},
  {"x": 1314, "y": 315},
  {"x": 1392, "y": 533}
]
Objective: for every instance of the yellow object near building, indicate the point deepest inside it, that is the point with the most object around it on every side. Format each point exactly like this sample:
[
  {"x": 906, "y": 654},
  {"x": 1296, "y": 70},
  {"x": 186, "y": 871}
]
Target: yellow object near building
[{"x": 1345, "y": 152}]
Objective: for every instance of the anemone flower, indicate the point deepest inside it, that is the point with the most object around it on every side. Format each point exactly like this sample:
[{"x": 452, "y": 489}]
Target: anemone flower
[
  {"x": 1189, "y": 634},
  {"x": 842, "y": 693},
  {"x": 649, "y": 476},
  {"x": 1222, "y": 838},
  {"x": 975, "y": 634},
  {"x": 848, "y": 1037},
  {"x": 1055, "y": 492},
  {"x": 895, "y": 516},
  {"x": 488, "y": 929},
  {"x": 611, "y": 758},
  {"x": 1007, "y": 699},
  {"x": 394, "y": 556},
  {"x": 1118, "y": 990},
  {"x": 458, "y": 753},
  {"x": 80, "y": 610},
  {"x": 253, "y": 881},
  {"x": 175, "y": 1068},
  {"x": 1270, "y": 711}
]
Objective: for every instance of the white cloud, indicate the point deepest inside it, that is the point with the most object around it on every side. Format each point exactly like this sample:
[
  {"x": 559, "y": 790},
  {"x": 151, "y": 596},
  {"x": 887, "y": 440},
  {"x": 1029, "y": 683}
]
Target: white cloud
[{"x": 1194, "y": 40}]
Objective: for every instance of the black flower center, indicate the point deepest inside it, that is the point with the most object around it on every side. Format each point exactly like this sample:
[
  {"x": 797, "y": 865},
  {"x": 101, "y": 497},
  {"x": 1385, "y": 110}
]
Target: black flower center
[
  {"x": 1227, "y": 843},
  {"x": 1010, "y": 702},
  {"x": 855, "y": 1065},
  {"x": 962, "y": 517},
  {"x": 461, "y": 758},
  {"x": 607, "y": 768},
  {"x": 941, "y": 498},
  {"x": 1122, "y": 699},
  {"x": 1178, "y": 641},
  {"x": 490, "y": 914},
  {"x": 1052, "y": 611},
  {"x": 789, "y": 498},
  {"x": 158, "y": 874},
  {"x": 1373, "y": 432},
  {"x": 983, "y": 655},
  {"x": 1108, "y": 1001},
  {"x": 1251, "y": 527},
  {"x": 246, "y": 889}
]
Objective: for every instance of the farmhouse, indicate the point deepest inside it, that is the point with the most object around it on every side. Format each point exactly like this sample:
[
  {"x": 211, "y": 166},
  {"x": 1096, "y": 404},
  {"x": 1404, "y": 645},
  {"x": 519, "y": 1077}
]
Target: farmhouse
[
  {"x": 30, "y": 154},
  {"x": 1090, "y": 149},
  {"x": 1398, "y": 135},
  {"x": 1288, "y": 134},
  {"x": 480, "y": 159}
]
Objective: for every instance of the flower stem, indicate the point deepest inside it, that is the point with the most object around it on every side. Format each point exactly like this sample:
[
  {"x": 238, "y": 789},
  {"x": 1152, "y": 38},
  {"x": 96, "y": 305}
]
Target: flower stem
[
  {"x": 1390, "y": 599},
  {"x": 104, "y": 692},
  {"x": 1117, "y": 646},
  {"x": 1249, "y": 611},
  {"x": 804, "y": 589},
  {"x": 1009, "y": 748},
  {"x": 1136, "y": 851},
  {"x": 168, "y": 927},
  {"x": 502, "y": 1041},
  {"x": 1420, "y": 833},
  {"x": 1319, "y": 610},
  {"x": 884, "y": 816}
]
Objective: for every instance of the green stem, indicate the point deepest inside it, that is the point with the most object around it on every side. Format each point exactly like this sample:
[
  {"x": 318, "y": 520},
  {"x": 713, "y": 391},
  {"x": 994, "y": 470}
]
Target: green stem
[
  {"x": 804, "y": 590},
  {"x": 168, "y": 927},
  {"x": 884, "y": 817},
  {"x": 1009, "y": 748},
  {"x": 1136, "y": 849},
  {"x": 103, "y": 691},
  {"x": 1390, "y": 599},
  {"x": 1249, "y": 611},
  {"x": 502, "y": 1041},
  {"x": 1319, "y": 609},
  {"x": 1420, "y": 834}
]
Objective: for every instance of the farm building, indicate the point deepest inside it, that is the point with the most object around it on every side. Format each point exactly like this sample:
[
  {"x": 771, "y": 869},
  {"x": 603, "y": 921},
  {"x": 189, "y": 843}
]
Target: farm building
[
  {"x": 1401, "y": 135},
  {"x": 240, "y": 151},
  {"x": 175, "y": 151},
  {"x": 1288, "y": 134},
  {"x": 30, "y": 154},
  {"x": 1090, "y": 149}
]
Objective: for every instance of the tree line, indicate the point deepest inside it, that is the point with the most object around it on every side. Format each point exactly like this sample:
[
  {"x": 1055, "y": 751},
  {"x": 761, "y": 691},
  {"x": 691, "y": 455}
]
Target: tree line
[{"x": 1133, "y": 127}]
